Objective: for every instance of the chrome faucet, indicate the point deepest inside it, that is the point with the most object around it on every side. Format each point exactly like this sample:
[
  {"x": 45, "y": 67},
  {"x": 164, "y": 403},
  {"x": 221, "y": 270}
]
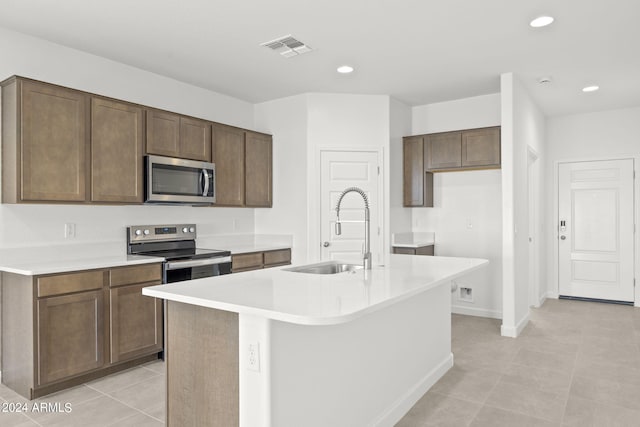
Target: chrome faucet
[{"x": 366, "y": 261}]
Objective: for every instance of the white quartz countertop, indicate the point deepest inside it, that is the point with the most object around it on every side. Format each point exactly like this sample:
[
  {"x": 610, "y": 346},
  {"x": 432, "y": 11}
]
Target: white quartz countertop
[
  {"x": 35, "y": 261},
  {"x": 413, "y": 240},
  {"x": 316, "y": 299},
  {"x": 242, "y": 244}
]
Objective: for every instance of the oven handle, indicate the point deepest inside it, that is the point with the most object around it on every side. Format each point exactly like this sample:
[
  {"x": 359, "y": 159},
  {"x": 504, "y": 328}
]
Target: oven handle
[{"x": 175, "y": 265}]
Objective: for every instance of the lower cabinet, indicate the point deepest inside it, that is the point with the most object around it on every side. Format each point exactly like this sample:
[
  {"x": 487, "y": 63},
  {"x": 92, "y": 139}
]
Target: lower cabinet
[
  {"x": 420, "y": 250},
  {"x": 65, "y": 329},
  {"x": 70, "y": 335},
  {"x": 258, "y": 260}
]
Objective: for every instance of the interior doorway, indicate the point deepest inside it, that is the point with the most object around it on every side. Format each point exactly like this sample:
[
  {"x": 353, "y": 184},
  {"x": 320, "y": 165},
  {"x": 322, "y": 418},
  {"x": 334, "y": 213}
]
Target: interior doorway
[{"x": 338, "y": 171}]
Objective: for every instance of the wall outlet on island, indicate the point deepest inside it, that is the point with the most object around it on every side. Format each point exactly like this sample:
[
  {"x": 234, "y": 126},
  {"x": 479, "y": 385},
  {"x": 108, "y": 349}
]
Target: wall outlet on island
[{"x": 253, "y": 356}]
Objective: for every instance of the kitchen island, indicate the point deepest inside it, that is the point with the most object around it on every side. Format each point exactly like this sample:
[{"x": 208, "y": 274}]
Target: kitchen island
[{"x": 282, "y": 348}]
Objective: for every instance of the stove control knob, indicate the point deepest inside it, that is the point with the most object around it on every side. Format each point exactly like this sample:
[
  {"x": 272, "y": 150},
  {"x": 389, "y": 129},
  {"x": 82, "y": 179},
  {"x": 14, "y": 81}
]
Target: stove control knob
[
  {"x": 146, "y": 232},
  {"x": 185, "y": 230},
  {"x": 192, "y": 230},
  {"x": 138, "y": 232}
]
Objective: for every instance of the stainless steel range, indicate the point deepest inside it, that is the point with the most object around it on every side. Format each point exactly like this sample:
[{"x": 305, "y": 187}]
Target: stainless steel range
[{"x": 176, "y": 243}]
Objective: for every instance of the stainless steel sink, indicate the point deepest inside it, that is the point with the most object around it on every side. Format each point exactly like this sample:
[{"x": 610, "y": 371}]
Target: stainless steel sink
[{"x": 328, "y": 267}]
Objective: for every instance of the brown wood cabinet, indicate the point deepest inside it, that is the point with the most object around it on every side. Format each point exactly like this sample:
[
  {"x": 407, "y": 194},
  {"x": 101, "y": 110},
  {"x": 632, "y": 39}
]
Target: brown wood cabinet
[
  {"x": 116, "y": 151},
  {"x": 481, "y": 148},
  {"x": 70, "y": 335},
  {"x": 135, "y": 319},
  {"x": 45, "y": 144},
  {"x": 417, "y": 181},
  {"x": 444, "y": 150},
  {"x": 259, "y": 260},
  {"x": 243, "y": 167},
  {"x": 420, "y": 250},
  {"x": 64, "y": 329},
  {"x": 462, "y": 150},
  {"x": 258, "y": 174},
  {"x": 228, "y": 156},
  {"x": 173, "y": 135}
]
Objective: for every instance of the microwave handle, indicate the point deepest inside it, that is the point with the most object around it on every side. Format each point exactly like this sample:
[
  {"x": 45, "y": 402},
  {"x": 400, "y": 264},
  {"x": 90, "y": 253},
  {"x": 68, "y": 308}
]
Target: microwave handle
[{"x": 205, "y": 177}]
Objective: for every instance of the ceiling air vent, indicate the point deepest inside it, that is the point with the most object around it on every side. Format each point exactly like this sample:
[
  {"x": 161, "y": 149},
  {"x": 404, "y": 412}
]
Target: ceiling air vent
[{"x": 287, "y": 46}]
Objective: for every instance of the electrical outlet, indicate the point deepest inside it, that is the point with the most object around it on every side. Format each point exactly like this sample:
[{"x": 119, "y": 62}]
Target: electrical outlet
[
  {"x": 465, "y": 294},
  {"x": 69, "y": 230},
  {"x": 253, "y": 357}
]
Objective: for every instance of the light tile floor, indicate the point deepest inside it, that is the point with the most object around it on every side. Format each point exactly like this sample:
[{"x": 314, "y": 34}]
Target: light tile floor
[{"x": 575, "y": 364}]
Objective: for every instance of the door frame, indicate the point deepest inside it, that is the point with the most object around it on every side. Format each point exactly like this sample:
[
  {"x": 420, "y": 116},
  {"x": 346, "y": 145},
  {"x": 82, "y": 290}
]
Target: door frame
[
  {"x": 315, "y": 183},
  {"x": 554, "y": 289},
  {"x": 533, "y": 222}
]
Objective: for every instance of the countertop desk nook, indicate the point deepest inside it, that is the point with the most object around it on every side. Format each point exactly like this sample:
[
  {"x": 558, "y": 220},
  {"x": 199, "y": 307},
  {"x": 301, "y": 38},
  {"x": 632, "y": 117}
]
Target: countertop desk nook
[{"x": 283, "y": 348}]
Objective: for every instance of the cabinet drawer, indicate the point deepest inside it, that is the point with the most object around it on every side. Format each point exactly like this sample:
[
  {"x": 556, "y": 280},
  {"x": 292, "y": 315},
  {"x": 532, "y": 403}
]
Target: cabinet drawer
[
  {"x": 68, "y": 283},
  {"x": 247, "y": 261},
  {"x": 135, "y": 274},
  {"x": 404, "y": 251},
  {"x": 279, "y": 257}
]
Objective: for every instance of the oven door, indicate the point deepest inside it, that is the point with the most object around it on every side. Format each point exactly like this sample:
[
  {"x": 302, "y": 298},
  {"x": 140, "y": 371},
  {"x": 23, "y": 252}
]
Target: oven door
[
  {"x": 177, "y": 271},
  {"x": 171, "y": 180}
]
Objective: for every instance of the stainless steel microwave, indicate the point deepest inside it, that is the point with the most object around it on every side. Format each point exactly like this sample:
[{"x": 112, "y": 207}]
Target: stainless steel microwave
[{"x": 171, "y": 180}]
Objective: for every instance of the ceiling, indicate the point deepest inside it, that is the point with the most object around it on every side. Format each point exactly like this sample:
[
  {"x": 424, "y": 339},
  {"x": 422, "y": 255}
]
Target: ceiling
[{"x": 418, "y": 51}]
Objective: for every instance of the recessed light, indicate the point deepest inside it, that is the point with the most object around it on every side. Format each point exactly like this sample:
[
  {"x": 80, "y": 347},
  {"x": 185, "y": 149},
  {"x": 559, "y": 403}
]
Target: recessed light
[
  {"x": 541, "y": 21},
  {"x": 345, "y": 69},
  {"x": 590, "y": 88}
]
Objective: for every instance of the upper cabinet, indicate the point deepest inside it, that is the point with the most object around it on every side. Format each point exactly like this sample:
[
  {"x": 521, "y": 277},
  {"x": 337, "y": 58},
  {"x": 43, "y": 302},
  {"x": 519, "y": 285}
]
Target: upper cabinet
[
  {"x": 116, "y": 151},
  {"x": 61, "y": 145},
  {"x": 441, "y": 152},
  {"x": 228, "y": 156},
  {"x": 466, "y": 149},
  {"x": 418, "y": 182},
  {"x": 45, "y": 144},
  {"x": 173, "y": 135},
  {"x": 243, "y": 167},
  {"x": 258, "y": 152}
]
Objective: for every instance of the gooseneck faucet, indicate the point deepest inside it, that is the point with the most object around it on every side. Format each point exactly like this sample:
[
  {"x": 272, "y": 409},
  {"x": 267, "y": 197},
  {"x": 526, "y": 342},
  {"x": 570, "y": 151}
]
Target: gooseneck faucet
[{"x": 366, "y": 261}]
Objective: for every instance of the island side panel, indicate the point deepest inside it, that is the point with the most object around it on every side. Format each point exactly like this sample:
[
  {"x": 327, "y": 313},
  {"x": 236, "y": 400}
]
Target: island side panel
[
  {"x": 17, "y": 333},
  {"x": 202, "y": 366},
  {"x": 370, "y": 371}
]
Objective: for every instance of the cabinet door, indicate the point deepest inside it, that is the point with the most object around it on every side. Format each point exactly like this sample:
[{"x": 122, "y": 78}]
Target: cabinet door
[
  {"x": 258, "y": 159},
  {"x": 54, "y": 143},
  {"x": 136, "y": 322},
  {"x": 195, "y": 139},
  {"x": 116, "y": 152},
  {"x": 70, "y": 335},
  {"x": 163, "y": 133},
  {"x": 228, "y": 156},
  {"x": 413, "y": 171},
  {"x": 481, "y": 147},
  {"x": 444, "y": 150}
]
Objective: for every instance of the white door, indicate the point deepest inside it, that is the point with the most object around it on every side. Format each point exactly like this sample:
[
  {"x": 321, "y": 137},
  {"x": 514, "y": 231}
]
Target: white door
[
  {"x": 596, "y": 232},
  {"x": 340, "y": 170}
]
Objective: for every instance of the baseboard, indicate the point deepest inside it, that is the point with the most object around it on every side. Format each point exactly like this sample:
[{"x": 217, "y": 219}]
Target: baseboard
[
  {"x": 514, "y": 331},
  {"x": 478, "y": 312},
  {"x": 400, "y": 407},
  {"x": 552, "y": 294}
]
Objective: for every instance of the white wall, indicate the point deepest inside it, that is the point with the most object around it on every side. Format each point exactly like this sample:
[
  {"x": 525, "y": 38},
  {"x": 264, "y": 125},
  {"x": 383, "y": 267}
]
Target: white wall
[
  {"x": 400, "y": 126},
  {"x": 593, "y": 136},
  {"x": 523, "y": 127},
  {"x": 466, "y": 217},
  {"x": 44, "y": 224},
  {"x": 286, "y": 120}
]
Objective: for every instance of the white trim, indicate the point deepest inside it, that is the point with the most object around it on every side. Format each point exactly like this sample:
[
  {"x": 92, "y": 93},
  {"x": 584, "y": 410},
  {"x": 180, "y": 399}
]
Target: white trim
[
  {"x": 400, "y": 407},
  {"x": 478, "y": 312},
  {"x": 514, "y": 332},
  {"x": 552, "y": 295},
  {"x": 542, "y": 298}
]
